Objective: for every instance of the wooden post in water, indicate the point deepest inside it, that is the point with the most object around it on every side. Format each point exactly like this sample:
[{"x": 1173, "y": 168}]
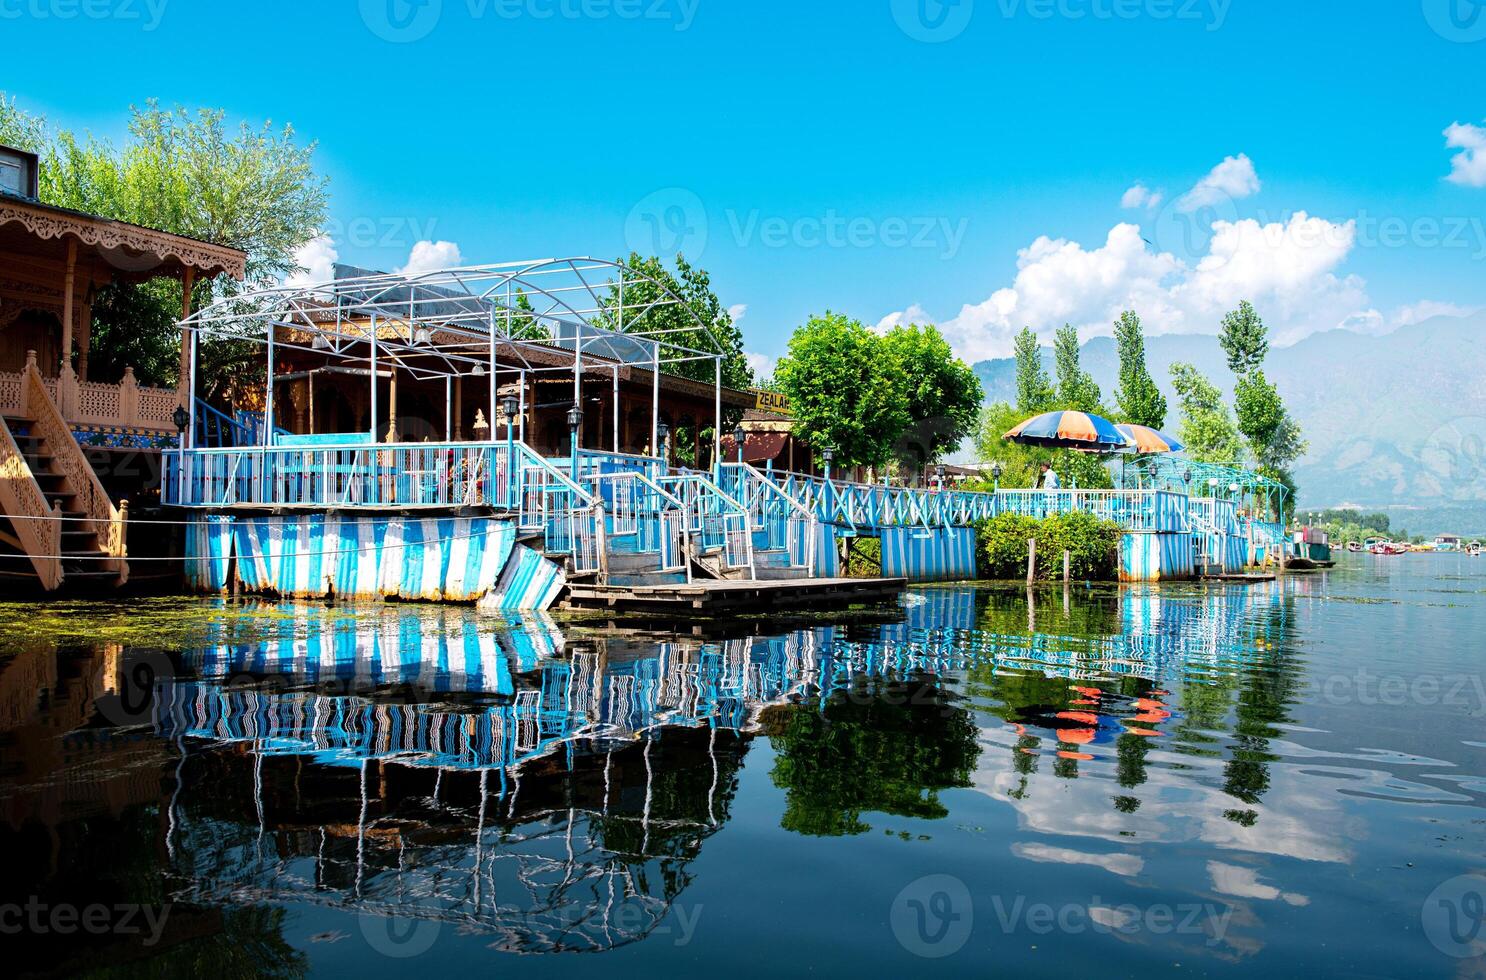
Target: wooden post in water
[
  {"x": 1067, "y": 567},
  {"x": 1031, "y": 560}
]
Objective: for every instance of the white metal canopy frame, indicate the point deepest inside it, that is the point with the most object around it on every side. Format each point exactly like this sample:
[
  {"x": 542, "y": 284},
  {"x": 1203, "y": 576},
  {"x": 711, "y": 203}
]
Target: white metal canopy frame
[{"x": 546, "y": 316}]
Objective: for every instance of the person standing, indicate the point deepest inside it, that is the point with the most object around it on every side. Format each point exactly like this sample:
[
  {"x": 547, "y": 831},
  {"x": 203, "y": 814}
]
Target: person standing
[{"x": 1047, "y": 479}]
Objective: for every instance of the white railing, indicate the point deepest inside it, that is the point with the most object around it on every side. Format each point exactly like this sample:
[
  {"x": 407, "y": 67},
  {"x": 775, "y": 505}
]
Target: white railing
[
  {"x": 786, "y": 522},
  {"x": 384, "y": 476},
  {"x": 1133, "y": 510}
]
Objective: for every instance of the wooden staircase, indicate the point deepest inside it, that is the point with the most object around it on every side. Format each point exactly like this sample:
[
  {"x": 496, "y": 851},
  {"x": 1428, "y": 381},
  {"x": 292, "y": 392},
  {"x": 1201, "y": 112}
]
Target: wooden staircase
[{"x": 57, "y": 525}]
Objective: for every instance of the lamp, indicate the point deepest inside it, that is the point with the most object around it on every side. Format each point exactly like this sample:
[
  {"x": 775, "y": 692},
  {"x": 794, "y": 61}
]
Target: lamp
[
  {"x": 479, "y": 371},
  {"x": 996, "y": 472},
  {"x": 662, "y": 450},
  {"x": 739, "y": 438},
  {"x": 181, "y": 418},
  {"x": 939, "y": 472},
  {"x": 575, "y": 426},
  {"x": 421, "y": 336},
  {"x": 320, "y": 342},
  {"x": 510, "y": 405}
]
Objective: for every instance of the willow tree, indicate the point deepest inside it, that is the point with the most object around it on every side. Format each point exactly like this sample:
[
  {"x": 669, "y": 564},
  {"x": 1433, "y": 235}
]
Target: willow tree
[{"x": 191, "y": 174}]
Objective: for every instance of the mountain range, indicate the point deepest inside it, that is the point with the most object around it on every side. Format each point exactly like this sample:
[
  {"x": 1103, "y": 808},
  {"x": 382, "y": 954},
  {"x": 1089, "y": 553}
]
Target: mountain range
[{"x": 1395, "y": 422}]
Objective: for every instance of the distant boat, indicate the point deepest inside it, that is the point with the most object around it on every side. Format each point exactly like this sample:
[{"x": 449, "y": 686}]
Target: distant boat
[
  {"x": 1310, "y": 549},
  {"x": 1473, "y": 549},
  {"x": 1354, "y": 546}
]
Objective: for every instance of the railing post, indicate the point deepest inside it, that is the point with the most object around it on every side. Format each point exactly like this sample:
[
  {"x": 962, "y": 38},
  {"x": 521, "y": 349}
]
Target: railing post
[{"x": 129, "y": 399}]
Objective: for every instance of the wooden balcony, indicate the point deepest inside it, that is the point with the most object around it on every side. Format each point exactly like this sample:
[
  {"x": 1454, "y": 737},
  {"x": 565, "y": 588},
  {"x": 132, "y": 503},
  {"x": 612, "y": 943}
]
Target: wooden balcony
[{"x": 99, "y": 413}]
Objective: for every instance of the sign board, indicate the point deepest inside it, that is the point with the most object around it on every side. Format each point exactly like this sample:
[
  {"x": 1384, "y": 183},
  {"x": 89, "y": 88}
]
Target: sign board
[{"x": 771, "y": 401}]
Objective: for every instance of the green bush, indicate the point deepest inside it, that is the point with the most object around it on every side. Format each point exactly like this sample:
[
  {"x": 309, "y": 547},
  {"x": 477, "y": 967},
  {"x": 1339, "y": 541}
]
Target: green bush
[{"x": 1093, "y": 546}]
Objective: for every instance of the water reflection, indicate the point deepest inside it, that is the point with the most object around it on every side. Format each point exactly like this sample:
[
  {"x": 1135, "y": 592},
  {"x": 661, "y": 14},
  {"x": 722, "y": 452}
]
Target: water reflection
[{"x": 531, "y": 787}]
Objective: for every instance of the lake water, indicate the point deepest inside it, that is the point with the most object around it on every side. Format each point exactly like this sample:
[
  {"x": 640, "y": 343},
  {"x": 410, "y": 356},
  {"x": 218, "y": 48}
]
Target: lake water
[{"x": 1287, "y": 778}]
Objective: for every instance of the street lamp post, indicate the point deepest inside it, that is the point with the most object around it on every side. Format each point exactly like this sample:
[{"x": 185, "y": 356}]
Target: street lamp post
[
  {"x": 182, "y": 419},
  {"x": 996, "y": 472},
  {"x": 663, "y": 435},
  {"x": 826, "y": 455},
  {"x": 739, "y": 438},
  {"x": 939, "y": 472},
  {"x": 575, "y": 425},
  {"x": 509, "y": 406}
]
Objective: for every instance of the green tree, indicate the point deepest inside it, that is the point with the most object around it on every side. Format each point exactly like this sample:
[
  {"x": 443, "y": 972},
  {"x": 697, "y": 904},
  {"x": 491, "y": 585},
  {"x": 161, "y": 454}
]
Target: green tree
[
  {"x": 888, "y": 746},
  {"x": 1076, "y": 387},
  {"x": 188, "y": 174},
  {"x": 1140, "y": 401},
  {"x": 700, "y": 322},
  {"x": 1274, "y": 437},
  {"x": 1245, "y": 339},
  {"x": 1018, "y": 463},
  {"x": 1034, "y": 389},
  {"x": 846, "y": 392},
  {"x": 1206, "y": 426},
  {"x": 943, "y": 394}
]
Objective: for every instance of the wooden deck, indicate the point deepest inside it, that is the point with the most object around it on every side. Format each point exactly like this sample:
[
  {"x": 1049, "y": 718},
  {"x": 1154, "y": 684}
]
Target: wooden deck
[{"x": 704, "y": 597}]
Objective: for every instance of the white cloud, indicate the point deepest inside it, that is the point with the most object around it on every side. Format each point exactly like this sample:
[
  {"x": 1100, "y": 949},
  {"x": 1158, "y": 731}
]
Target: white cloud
[
  {"x": 1468, "y": 167},
  {"x": 1120, "y": 864},
  {"x": 317, "y": 258},
  {"x": 1288, "y": 269},
  {"x": 1140, "y": 196},
  {"x": 1231, "y": 879},
  {"x": 1428, "y": 309},
  {"x": 762, "y": 364},
  {"x": 431, "y": 256},
  {"x": 1375, "y": 323},
  {"x": 737, "y": 312},
  {"x": 1231, "y": 180}
]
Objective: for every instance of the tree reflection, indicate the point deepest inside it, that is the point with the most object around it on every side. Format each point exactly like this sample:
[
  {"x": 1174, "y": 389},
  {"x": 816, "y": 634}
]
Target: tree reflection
[{"x": 884, "y": 746}]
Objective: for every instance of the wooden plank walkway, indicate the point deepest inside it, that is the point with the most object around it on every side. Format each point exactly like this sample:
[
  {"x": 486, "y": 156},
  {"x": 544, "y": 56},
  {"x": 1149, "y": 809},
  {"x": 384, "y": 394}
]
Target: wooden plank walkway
[{"x": 780, "y": 595}]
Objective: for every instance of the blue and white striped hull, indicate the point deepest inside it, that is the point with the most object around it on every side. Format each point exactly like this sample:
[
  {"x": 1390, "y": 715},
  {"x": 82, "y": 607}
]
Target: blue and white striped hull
[
  {"x": 439, "y": 559},
  {"x": 940, "y": 554}
]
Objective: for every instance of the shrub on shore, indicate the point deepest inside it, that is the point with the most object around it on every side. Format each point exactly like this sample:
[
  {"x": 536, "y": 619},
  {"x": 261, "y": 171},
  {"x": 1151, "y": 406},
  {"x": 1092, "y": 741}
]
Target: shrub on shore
[{"x": 1093, "y": 546}]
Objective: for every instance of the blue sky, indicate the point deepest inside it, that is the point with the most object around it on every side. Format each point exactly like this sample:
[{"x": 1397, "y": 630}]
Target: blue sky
[{"x": 893, "y": 159}]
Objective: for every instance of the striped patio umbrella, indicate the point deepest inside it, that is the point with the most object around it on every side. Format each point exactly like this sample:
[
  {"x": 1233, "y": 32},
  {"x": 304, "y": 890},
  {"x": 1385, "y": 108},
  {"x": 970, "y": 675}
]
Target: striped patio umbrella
[
  {"x": 1069, "y": 430},
  {"x": 1144, "y": 439}
]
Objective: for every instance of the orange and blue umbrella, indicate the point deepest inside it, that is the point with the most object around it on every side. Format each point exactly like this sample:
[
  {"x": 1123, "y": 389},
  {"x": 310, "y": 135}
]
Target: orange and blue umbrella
[
  {"x": 1144, "y": 439},
  {"x": 1069, "y": 430}
]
